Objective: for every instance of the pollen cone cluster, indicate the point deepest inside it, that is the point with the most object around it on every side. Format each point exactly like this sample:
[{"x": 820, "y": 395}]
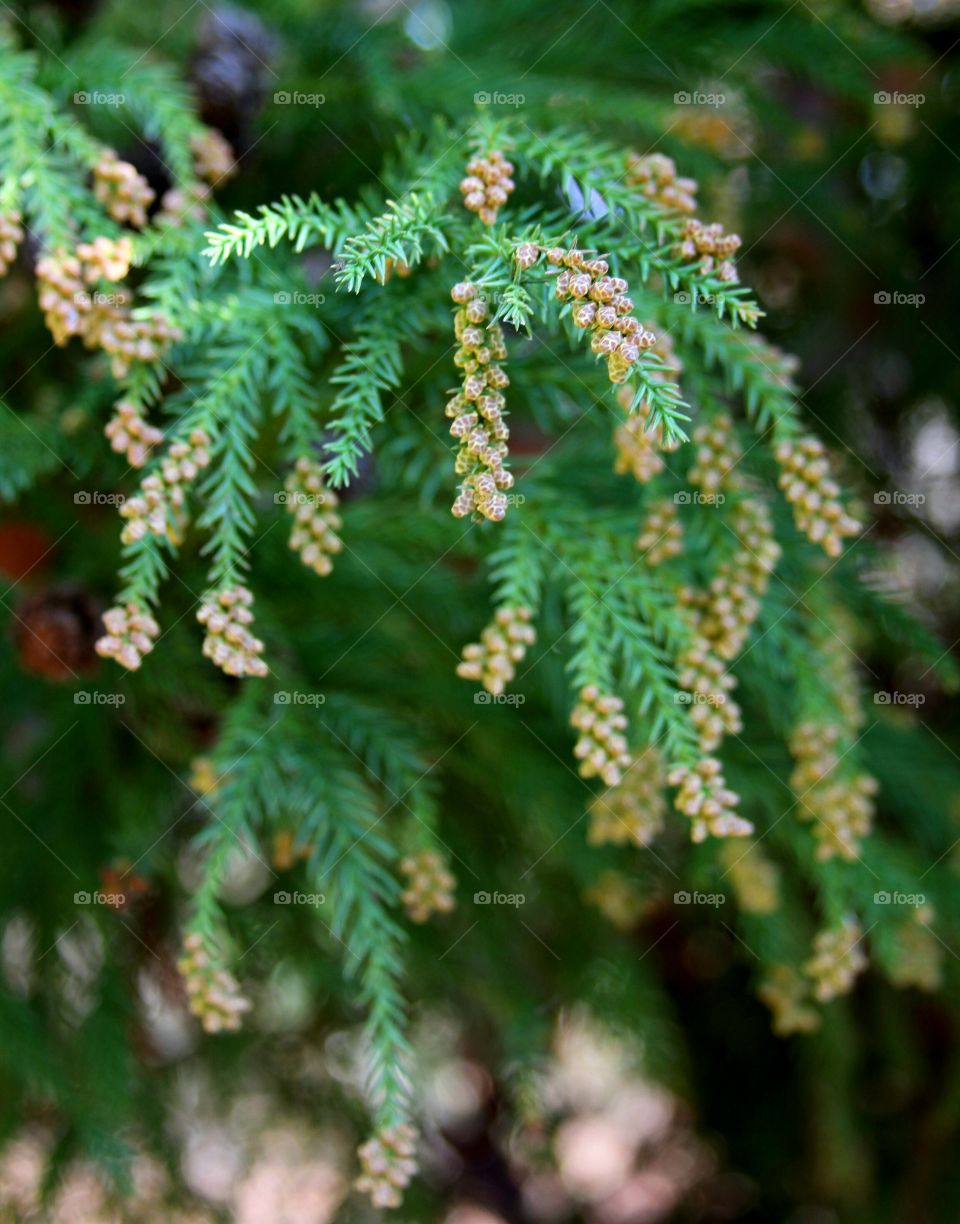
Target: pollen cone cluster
[
  {"x": 124, "y": 193},
  {"x": 712, "y": 247},
  {"x": 315, "y": 518},
  {"x": 837, "y": 959},
  {"x": 503, "y": 644},
  {"x": 229, "y": 644},
  {"x": 478, "y": 409},
  {"x": 787, "y": 993},
  {"x": 635, "y": 810},
  {"x": 213, "y": 993},
  {"x": 131, "y": 633},
  {"x": 130, "y": 435},
  {"x": 661, "y": 534},
  {"x": 387, "y": 1163},
  {"x": 838, "y": 803},
  {"x": 815, "y": 497},
  {"x": 656, "y": 177},
  {"x": 601, "y": 747},
  {"x": 706, "y": 799},
  {"x": 11, "y": 235},
  {"x": 487, "y": 185},
  {"x": 157, "y": 508},
  {"x": 430, "y": 885},
  {"x": 213, "y": 158}
]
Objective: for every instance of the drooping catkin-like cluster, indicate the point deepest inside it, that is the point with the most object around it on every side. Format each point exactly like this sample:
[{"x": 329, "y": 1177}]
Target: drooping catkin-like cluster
[
  {"x": 840, "y": 804},
  {"x": 837, "y": 960},
  {"x": 430, "y": 885},
  {"x": 478, "y": 408},
  {"x": 657, "y": 178},
  {"x": 718, "y": 453},
  {"x": 601, "y": 747},
  {"x": 661, "y": 533},
  {"x": 487, "y": 185},
  {"x": 503, "y": 644},
  {"x": 130, "y": 435},
  {"x": 124, "y": 193},
  {"x": 638, "y": 448},
  {"x": 157, "y": 508},
  {"x": 228, "y": 643},
  {"x": 11, "y": 235},
  {"x": 814, "y": 495},
  {"x": 754, "y": 877},
  {"x": 917, "y": 954},
  {"x": 635, "y": 810},
  {"x": 702, "y": 675},
  {"x": 315, "y": 518},
  {"x": 787, "y": 993},
  {"x": 131, "y": 633},
  {"x": 62, "y": 295},
  {"x": 213, "y": 158},
  {"x": 180, "y": 204},
  {"x": 388, "y": 1164},
  {"x": 706, "y": 799},
  {"x": 712, "y": 247},
  {"x": 105, "y": 259},
  {"x": 213, "y": 993}
]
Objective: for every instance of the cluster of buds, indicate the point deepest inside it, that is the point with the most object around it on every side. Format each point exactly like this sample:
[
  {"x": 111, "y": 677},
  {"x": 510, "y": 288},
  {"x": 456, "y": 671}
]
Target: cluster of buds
[
  {"x": 213, "y": 158},
  {"x": 639, "y": 449},
  {"x": 62, "y": 295},
  {"x": 718, "y": 453},
  {"x": 836, "y": 961},
  {"x": 315, "y": 518},
  {"x": 181, "y": 204},
  {"x": 105, "y": 259},
  {"x": 712, "y": 247},
  {"x": 706, "y": 799},
  {"x": 213, "y": 993},
  {"x": 131, "y": 633},
  {"x": 430, "y": 885},
  {"x": 125, "y": 194},
  {"x": 601, "y": 747},
  {"x": 157, "y": 508},
  {"x": 787, "y": 993},
  {"x": 657, "y": 178},
  {"x": 661, "y": 535},
  {"x": 841, "y": 806},
  {"x": 477, "y": 410},
  {"x": 11, "y": 235},
  {"x": 130, "y": 435},
  {"x": 813, "y": 494},
  {"x": 503, "y": 644},
  {"x": 618, "y": 898},
  {"x": 704, "y": 677},
  {"x": 228, "y": 643},
  {"x": 388, "y": 1164},
  {"x": 487, "y": 185},
  {"x": 917, "y": 954},
  {"x": 755, "y": 878},
  {"x": 635, "y": 810},
  {"x": 112, "y": 328}
]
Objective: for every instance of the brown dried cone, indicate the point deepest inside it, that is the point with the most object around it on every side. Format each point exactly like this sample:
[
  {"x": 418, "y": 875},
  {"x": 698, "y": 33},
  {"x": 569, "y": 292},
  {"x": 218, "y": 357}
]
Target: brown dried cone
[
  {"x": 316, "y": 521},
  {"x": 712, "y": 247},
  {"x": 837, "y": 959},
  {"x": 55, "y": 633},
  {"x": 839, "y": 805},
  {"x": 11, "y": 235},
  {"x": 706, "y": 799},
  {"x": 656, "y": 176},
  {"x": 229, "y": 644},
  {"x": 478, "y": 410},
  {"x": 130, "y": 435},
  {"x": 787, "y": 993},
  {"x": 213, "y": 993},
  {"x": 387, "y": 1163},
  {"x": 131, "y": 632},
  {"x": 635, "y": 810},
  {"x": 430, "y": 885},
  {"x": 503, "y": 644},
  {"x": 813, "y": 494},
  {"x": 661, "y": 534},
  {"x": 487, "y": 185},
  {"x": 213, "y": 158},
  {"x": 601, "y": 747},
  {"x": 125, "y": 194}
]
